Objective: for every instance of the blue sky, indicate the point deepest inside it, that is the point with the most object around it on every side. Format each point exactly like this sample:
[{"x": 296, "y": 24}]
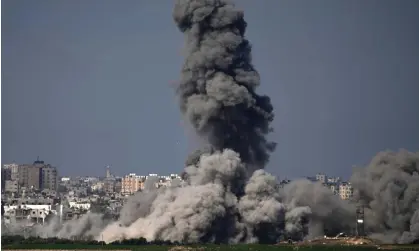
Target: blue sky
[{"x": 87, "y": 84}]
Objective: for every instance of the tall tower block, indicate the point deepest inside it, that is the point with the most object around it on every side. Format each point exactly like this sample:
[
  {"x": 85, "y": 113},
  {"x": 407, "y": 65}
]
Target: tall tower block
[{"x": 360, "y": 217}]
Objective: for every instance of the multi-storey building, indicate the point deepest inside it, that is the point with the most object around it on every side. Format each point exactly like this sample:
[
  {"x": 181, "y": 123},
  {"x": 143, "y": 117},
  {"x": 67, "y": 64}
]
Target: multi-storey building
[
  {"x": 49, "y": 179},
  {"x": 345, "y": 190},
  {"x": 132, "y": 183},
  {"x": 29, "y": 177},
  {"x": 321, "y": 178},
  {"x": 109, "y": 185},
  {"x": 166, "y": 181},
  {"x": 11, "y": 186},
  {"x": 118, "y": 186},
  {"x": 37, "y": 176},
  {"x": 6, "y": 174}
]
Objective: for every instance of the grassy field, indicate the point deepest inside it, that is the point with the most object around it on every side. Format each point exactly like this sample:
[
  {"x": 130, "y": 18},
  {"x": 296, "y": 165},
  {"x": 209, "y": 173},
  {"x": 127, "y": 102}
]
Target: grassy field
[{"x": 241, "y": 247}]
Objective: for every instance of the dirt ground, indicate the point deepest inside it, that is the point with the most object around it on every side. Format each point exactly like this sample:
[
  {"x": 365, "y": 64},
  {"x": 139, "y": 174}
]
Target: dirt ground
[{"x": 352, "y": 241}]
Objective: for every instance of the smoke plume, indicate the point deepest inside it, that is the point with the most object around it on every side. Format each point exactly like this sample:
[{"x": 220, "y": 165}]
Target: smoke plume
[
  {"x": 388, "y": 188},
  {"x": 217, "y": 88},
  {"x": 227, "y": 196},
  {"x": 327, "y": 213}
]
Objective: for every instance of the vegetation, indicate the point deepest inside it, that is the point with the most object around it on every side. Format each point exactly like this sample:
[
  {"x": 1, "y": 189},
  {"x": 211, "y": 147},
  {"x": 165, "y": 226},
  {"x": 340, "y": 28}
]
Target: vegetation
[{"x": 19, "y": 242}]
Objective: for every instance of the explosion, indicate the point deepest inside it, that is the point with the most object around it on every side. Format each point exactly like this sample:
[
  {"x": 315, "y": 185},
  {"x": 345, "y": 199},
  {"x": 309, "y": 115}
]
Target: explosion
[{"x": 228, "y": 197}]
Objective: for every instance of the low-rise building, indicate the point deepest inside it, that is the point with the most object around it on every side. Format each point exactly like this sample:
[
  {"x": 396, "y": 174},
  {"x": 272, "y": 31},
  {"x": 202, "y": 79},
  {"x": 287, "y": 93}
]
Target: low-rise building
[
  {"x": 80, "y": 205},
  {"x": 65, "y": 179},
  {"x": 333, "y": 179}
]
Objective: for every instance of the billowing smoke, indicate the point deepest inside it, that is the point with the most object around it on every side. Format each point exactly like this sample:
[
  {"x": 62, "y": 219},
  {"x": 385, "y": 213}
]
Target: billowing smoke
[
  {"x": 217, "y": 88},
  {"x": 327, "y": 213},
  {"x": 227, "y": 196},
  {"x": 87, "y": 226},
  {"x": 137, "y": 206},
  {"x": 388, "y": 188}
]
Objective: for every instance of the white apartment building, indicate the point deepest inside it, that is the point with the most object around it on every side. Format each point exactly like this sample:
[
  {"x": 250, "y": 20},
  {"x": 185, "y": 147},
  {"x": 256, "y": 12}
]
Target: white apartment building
[
  {"x": 65, "y": 179},
  {"x": 80, "y": 205},
  {"x": 345, "y": 190}
]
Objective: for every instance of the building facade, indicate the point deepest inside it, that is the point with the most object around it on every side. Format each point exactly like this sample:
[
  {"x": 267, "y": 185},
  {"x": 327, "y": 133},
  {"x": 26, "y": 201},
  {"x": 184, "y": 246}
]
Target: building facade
[
  {"x": 109, "y": 185},
  {"x": 321, "y": 178},
  {"x": 11, "y": 186},
  {"x": 49, "y": 179},
  {"x": 131, "y": 184},
  {"x": 345, "y": 190},
  {"x": 36, "y": 176},
  {"x": 6, "y": 175}
]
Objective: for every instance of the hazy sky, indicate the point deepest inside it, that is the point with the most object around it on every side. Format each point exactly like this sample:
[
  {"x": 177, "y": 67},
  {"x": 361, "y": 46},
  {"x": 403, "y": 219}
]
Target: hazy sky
[{"x": 89, "y": 83}]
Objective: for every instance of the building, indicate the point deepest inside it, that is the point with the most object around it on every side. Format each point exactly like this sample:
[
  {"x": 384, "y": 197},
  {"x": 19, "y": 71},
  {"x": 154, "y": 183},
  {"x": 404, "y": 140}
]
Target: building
[
  {"x": 108, "y": 172},
  {"x": 334, "y": 187},
  {"x": 98, "y": 186},
  {"x": 166, "y": 181},
  {"x": 14, "y": 172},
  {"x": 321, "y": 178},
  {"x": 80, "y": 205},
  {"x": 6, "y": 175},
  {"x": 8, "y": 172},
  {"x": 37, "y": 176},
  {"x": 30, "y": 176},
  {"x": 38, "y": 215},
  {"x": 345, "y": 190},
  {"x": 118, "y": 186},
  {"x": 49, "y": 179},
  {"x": 11, "y": 186},
  {"x": 65, "y": 179},
  {"x": 109, "y": 185},
  {"x": 132, "y": 183},
  {"x": 333, "y": 180}
]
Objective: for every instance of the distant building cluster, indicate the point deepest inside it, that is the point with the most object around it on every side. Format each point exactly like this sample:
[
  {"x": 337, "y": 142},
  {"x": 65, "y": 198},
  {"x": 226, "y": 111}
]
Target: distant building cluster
[
  {"x": 39, "y": 176},
  {"x": 33, "y": 192},
  {"x": 132, "y": 183},
  {"x": 342, "y": 188}
]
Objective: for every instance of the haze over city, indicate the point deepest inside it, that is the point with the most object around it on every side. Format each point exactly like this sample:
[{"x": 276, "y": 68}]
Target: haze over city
[{"x": 88, "y": 85}]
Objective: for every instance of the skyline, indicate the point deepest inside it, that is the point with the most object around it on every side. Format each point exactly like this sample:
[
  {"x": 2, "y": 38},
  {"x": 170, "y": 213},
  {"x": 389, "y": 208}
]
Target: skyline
[{"x": 89, "y": 97}]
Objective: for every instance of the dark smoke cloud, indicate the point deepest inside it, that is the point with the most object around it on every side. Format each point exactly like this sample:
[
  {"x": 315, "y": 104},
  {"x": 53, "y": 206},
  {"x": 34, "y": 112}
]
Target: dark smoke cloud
[
  {"x": 217, "y": 89},
  {"x": 389, "y": 189}
]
